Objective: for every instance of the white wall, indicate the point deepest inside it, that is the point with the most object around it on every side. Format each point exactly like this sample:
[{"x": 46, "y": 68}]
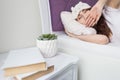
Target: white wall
[{"x": 19, "y": 24}]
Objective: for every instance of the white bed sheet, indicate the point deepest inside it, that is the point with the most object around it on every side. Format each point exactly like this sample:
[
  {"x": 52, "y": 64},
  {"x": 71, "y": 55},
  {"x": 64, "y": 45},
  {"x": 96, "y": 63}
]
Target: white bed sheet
[{"x": 76, "y": 45}]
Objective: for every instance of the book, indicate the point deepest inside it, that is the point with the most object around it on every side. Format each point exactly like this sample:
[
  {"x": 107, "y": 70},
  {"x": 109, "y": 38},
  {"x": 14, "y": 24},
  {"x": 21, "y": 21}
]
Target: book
[
  {"x": 34, "y": 75},
  {"x": 24, "y": 61}
]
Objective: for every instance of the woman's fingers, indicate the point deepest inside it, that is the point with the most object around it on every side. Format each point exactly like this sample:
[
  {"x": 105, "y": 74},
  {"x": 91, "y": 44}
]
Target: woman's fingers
[
  {"x": 87, "y": 18},
  {"x": 98, "y": 17},
  {"x": 90, "y": 21}
]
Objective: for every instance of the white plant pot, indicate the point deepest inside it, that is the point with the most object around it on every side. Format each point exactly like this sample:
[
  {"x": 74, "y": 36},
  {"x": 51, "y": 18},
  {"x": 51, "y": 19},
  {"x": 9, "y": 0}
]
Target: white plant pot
[{"x": 47, "y": 47}]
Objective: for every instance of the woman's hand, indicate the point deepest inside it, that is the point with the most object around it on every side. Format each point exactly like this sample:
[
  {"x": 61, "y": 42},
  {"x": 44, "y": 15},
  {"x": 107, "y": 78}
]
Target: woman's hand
[
  {"x": 93, "y": 16},
  {"x": 95, "y": 13}
]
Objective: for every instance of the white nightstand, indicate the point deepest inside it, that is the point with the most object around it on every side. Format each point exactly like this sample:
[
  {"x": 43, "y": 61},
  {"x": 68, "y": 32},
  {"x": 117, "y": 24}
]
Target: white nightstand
[{"x": 65, "y": 67}]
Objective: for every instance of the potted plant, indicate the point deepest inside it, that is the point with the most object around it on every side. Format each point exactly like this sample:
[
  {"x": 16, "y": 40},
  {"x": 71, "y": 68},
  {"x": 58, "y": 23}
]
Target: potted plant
[{"x": 47, "y": 43}]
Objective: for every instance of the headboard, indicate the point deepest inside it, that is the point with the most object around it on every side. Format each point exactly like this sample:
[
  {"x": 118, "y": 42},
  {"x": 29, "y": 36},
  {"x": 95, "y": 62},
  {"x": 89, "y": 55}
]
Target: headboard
[{"x": 50, "y": 13}]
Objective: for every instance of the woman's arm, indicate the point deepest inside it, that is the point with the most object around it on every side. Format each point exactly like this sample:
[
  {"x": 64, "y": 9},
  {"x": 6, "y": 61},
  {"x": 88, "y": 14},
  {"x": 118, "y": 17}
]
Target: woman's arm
[
  {"x": 93, "y": 16},
  {"x": 98, "y": 39}
]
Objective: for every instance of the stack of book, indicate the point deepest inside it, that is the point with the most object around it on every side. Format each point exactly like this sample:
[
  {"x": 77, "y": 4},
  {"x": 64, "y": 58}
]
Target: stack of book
[{"x": 26, "y": 64}]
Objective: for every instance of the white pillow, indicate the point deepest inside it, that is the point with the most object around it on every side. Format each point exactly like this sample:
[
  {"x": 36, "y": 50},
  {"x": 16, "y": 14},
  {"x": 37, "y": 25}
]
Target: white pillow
[{"x": 72, "y": 26}]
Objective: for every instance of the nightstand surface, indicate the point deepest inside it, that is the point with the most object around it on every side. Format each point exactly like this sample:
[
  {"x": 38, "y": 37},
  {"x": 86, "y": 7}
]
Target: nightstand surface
[{"x": 65, "y": 67}]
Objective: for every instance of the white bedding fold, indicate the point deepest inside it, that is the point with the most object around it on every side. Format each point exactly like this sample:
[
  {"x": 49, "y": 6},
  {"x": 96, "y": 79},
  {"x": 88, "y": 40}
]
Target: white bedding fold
[{"x": 66, "y": 42}]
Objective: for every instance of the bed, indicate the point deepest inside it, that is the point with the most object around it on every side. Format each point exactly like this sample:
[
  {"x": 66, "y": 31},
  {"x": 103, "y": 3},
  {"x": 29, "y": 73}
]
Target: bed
[{"x": 97, "y": 62}]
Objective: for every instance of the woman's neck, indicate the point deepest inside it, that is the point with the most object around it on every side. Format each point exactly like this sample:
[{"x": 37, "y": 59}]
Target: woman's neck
[{"x": 113, "y": 3}]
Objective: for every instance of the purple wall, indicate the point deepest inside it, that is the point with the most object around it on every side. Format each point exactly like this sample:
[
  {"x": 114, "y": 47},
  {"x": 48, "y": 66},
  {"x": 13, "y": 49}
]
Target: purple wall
[{"x": 57, "y": 6}]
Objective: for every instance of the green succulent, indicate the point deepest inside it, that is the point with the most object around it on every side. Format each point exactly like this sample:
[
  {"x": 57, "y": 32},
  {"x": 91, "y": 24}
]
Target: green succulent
[{"x": 47, "y": 37}]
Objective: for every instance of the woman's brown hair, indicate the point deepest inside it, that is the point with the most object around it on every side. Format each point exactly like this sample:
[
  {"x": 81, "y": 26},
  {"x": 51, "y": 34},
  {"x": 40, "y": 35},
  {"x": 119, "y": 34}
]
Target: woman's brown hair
[{"x": 102, "y": 27}]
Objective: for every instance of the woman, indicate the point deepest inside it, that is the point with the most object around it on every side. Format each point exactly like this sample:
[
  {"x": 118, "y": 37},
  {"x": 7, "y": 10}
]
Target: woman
[
  {"x": 111, "y": 11},
  {"x": 103, "y": 31}
]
